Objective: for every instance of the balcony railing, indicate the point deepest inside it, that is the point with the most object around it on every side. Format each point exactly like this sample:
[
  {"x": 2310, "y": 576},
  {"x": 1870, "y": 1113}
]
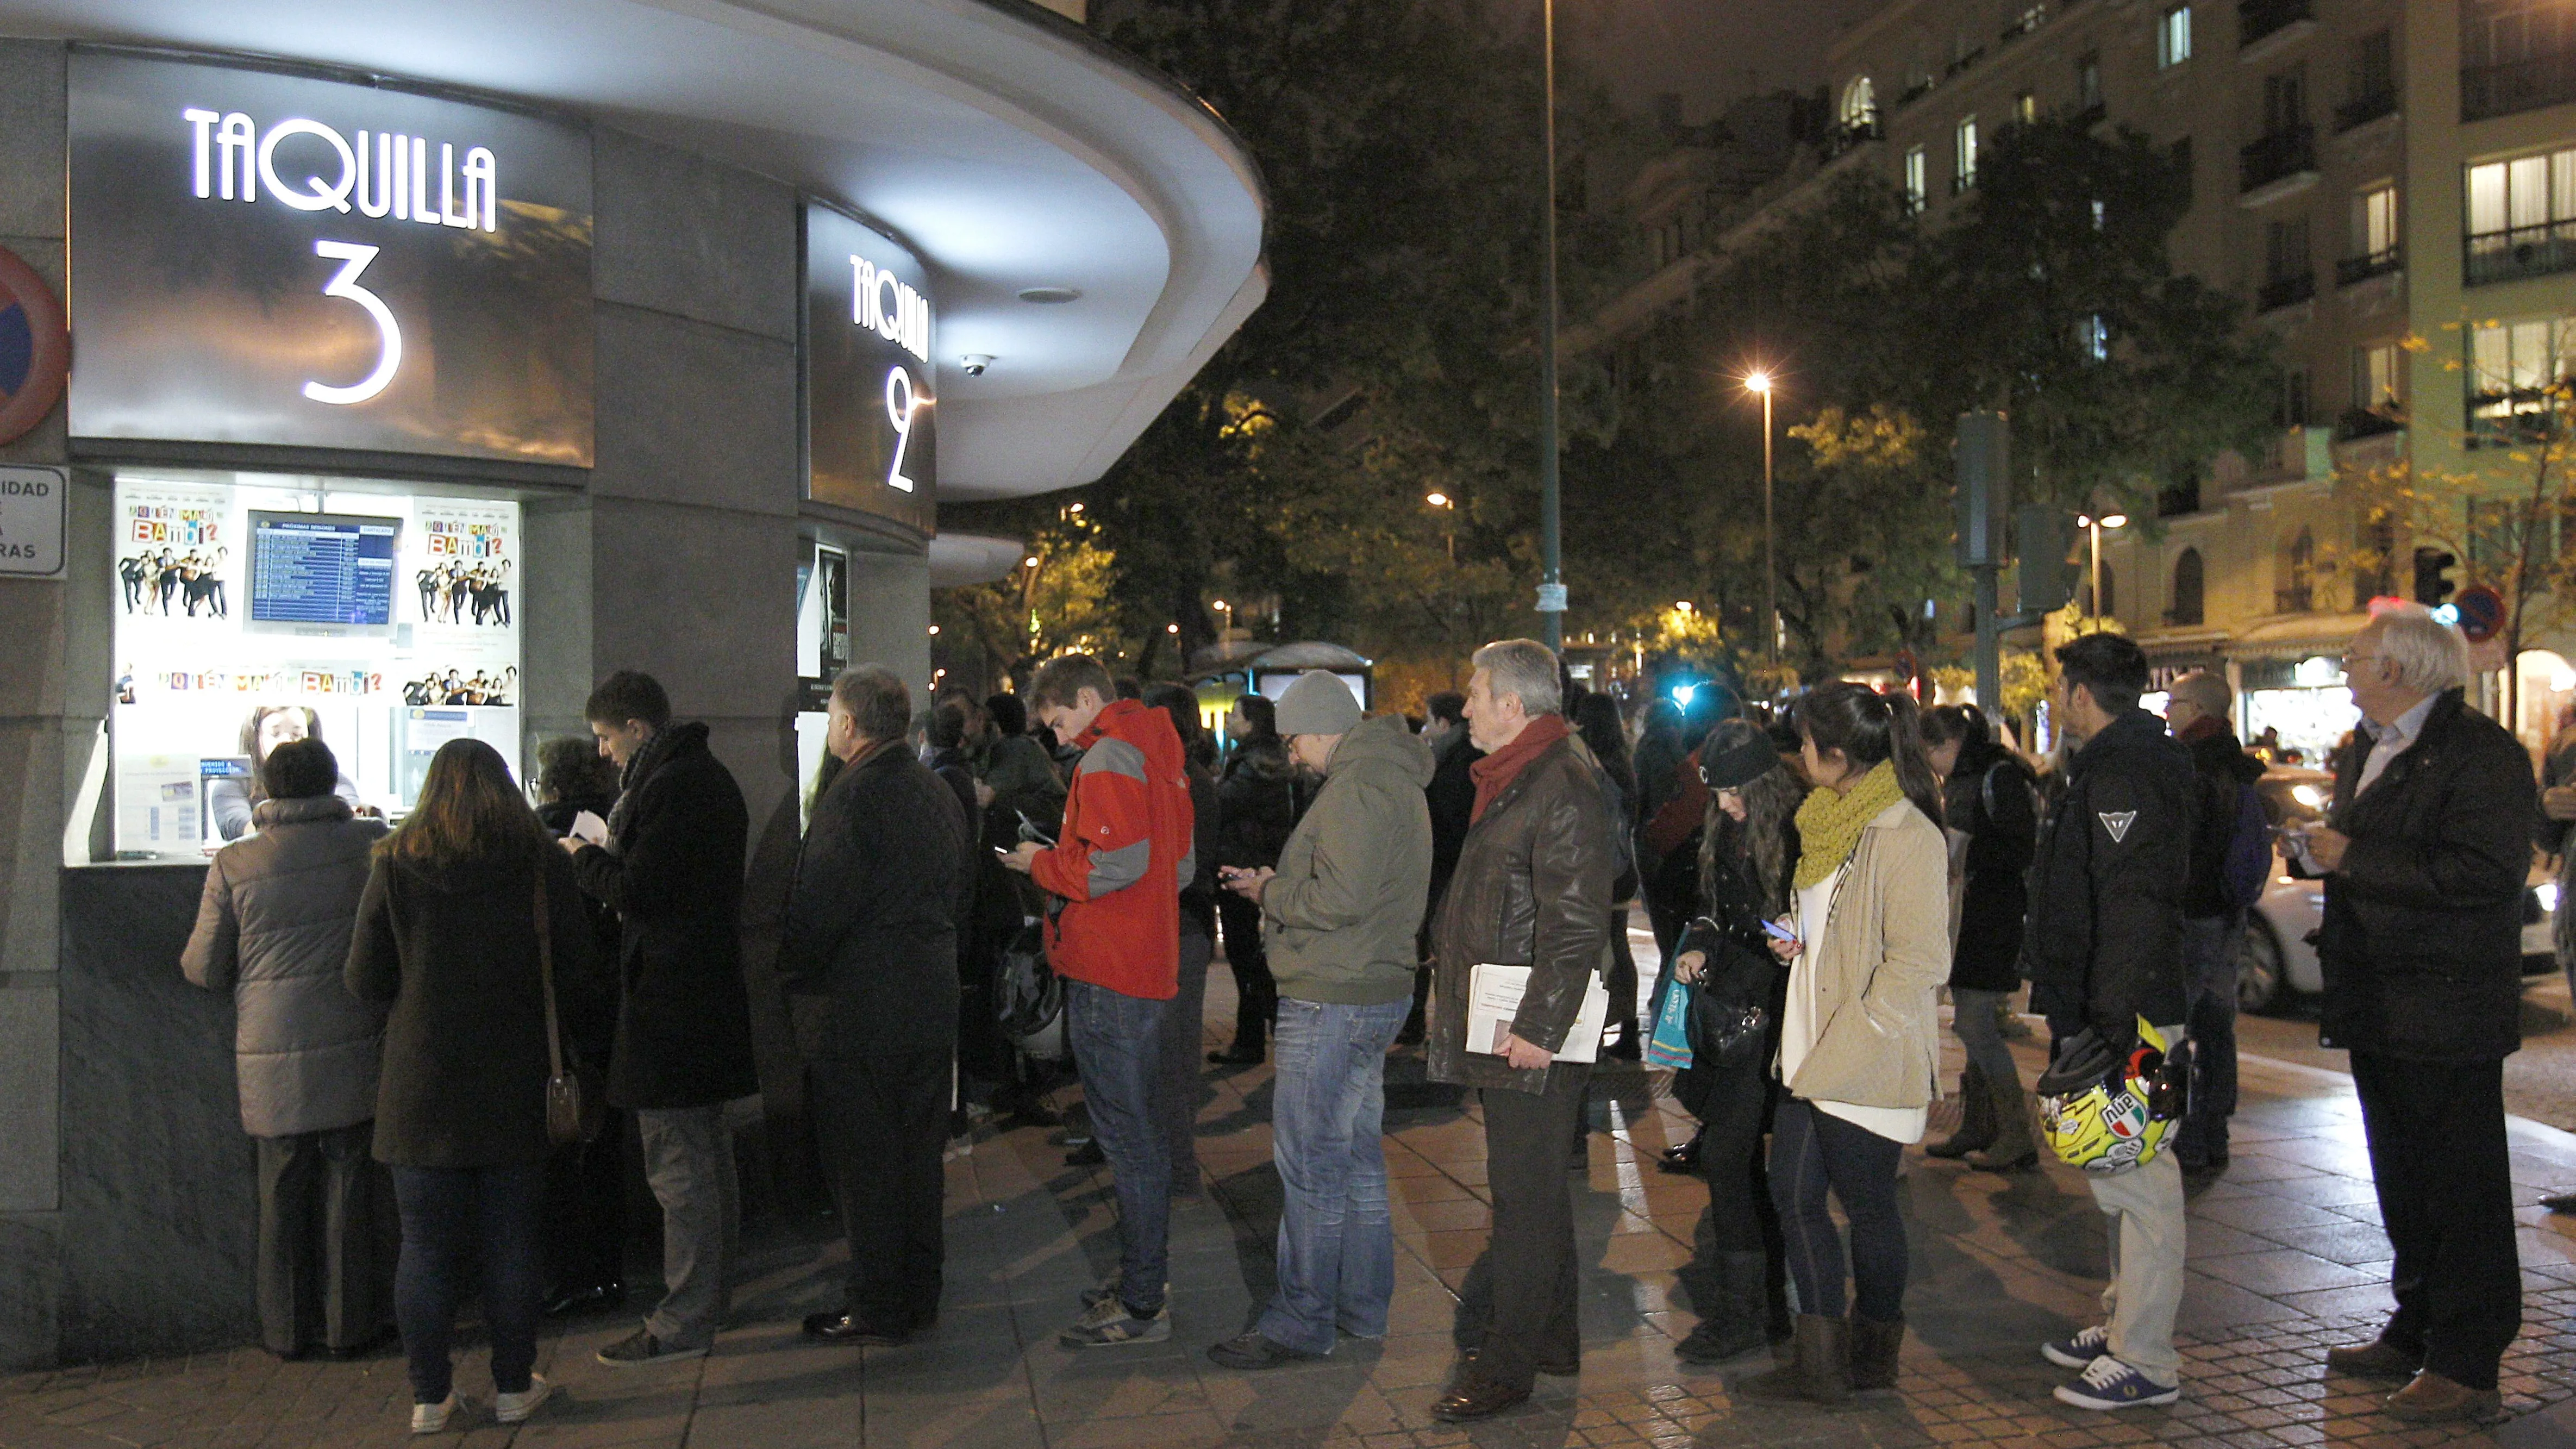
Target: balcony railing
[
  {"x": 2284, "y": 291},
  {"x": 1964, "y": 183},
  {"x": 2279, "y": 155},
  {"x": 1849, "y": 136},
  {"x": 2359, "y": 423},
  {"x": 2520, "y": 85},
  {"x": 2362, "y": 110},
  {"x": 2258, "y": 18},
  {"x": 2522, "y": 251},
  {"x": 2361, "y": 269}
]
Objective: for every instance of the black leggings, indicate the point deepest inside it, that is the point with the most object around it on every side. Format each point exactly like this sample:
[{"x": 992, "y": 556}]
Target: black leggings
[
  {"x": 1741, "y": 1218},
  {"x": 1813, "y": 1152}
]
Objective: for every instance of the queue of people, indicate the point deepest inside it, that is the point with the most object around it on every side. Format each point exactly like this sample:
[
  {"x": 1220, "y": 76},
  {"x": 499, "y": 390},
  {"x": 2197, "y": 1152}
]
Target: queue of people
[{"x": 430, "y": 997}]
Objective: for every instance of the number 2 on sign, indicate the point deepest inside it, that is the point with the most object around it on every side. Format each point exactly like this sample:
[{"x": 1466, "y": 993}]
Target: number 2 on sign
[
  {"x": 902, "y": 404},
  {"x": 388, "y": 331}
]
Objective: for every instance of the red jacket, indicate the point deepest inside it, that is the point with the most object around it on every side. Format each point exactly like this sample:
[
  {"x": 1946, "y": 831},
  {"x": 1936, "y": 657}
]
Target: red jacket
[{"x": 1122, "y": 857}]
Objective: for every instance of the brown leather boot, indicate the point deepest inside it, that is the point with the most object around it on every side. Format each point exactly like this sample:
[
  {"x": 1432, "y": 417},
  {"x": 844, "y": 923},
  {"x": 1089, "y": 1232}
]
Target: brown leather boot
[
  {"x": 2014, "y": 1146},
  {"x": 1976, "y": 1118},
  {"x": 1818, "y": 1370},
  {"x": 1874, "y": 1350},
  {"x": 2433, "y": 1399},
  {"x": 2377, "y": 1359}
]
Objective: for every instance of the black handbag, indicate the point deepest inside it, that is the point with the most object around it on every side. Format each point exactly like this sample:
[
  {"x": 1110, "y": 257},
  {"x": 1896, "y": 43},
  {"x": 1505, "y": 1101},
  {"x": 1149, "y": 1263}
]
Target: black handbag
[
  {"x": 575, "y": 1110},
  {"x": 1028, "y": 997}
]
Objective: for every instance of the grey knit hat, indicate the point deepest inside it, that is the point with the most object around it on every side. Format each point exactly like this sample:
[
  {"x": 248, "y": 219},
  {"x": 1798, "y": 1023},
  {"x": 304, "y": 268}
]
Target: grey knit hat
[{"x": 1319, "y": 703}]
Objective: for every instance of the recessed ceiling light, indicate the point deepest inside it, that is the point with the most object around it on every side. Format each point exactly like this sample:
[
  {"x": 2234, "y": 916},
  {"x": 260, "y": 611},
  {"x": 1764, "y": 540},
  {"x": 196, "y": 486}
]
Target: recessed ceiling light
[{"x": 1049, "y": 295}]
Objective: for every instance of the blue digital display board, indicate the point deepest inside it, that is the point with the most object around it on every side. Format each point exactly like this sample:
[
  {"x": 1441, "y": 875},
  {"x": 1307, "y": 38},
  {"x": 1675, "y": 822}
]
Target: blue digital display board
[{"x": 322, "y": 570}]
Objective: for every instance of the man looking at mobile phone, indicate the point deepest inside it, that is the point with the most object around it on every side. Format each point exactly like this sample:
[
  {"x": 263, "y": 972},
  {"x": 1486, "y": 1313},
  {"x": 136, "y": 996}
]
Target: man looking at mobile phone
[{"x": 1114, "y": 936}]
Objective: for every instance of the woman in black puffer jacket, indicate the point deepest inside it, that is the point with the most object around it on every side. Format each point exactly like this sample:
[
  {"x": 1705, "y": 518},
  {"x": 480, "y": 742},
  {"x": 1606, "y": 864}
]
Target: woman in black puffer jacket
[
  {"x": 1991, "y": 799},
  {"x": 1749, "y": 850}
]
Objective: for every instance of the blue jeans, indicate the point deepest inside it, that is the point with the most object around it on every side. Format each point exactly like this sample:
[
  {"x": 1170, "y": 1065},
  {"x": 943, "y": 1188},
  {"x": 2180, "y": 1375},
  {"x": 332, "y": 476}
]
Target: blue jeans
[
  {"x": 2209, "y": 945},
  {"x": 1327, "y": 1129},
  {"x": 1117, "y": 1044},
  {"x": 451, "y": 1217},
  {"x": 1813, "y": 1151}
]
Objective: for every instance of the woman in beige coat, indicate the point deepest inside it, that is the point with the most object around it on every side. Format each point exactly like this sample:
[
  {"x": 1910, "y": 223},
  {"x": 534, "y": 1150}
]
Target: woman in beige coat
[{"x": 1858, "y": 1035}]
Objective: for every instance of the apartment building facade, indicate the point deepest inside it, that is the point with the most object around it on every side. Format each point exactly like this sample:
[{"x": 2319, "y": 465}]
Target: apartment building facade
[{"x": 2390, "y": 187}]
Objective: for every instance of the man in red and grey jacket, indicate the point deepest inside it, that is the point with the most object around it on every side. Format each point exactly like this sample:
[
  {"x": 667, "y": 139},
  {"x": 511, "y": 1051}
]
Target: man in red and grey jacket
[{"x": 1114, "y": 879}]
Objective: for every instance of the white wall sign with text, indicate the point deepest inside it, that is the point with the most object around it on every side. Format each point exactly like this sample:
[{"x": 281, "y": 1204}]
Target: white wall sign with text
[{"x": 32, "y": 501}]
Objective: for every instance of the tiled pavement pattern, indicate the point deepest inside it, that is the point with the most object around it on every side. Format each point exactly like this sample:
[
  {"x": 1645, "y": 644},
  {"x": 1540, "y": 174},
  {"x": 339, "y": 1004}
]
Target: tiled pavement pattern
[{"x": 2286, "y": 1259}]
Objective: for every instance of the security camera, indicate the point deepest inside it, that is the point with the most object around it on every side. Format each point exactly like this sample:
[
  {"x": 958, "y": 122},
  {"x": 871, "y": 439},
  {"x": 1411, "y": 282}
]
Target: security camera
[{"x": 976, "y": 362}]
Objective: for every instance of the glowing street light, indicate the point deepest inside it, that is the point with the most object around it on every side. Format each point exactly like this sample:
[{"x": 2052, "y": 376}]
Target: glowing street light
[
  {"x": 1758, "y": 381},
  {"x": 2093, "y": 527}
]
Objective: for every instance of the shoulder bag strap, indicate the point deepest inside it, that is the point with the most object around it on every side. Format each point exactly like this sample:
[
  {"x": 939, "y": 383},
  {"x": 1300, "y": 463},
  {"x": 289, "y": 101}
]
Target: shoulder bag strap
[{"x": 546, "y": 972}]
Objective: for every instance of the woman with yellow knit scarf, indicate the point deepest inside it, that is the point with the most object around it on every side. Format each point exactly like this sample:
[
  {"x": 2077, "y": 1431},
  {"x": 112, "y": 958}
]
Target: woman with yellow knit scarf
[{"x": 1859, "y": 1037}]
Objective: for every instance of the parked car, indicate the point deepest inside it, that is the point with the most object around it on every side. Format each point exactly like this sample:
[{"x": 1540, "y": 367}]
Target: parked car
[{"x": 2278, "y": 963}]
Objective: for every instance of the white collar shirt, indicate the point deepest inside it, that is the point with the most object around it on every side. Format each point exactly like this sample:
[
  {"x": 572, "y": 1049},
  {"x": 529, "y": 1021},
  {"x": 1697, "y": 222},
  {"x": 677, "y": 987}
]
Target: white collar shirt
[{"x": 2388, "y": 741}]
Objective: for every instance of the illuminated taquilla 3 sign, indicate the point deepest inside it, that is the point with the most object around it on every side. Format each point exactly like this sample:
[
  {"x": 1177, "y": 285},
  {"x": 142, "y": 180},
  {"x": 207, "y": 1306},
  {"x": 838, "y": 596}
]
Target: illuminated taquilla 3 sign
[
  {"x": 871, "y": 409},
  {"x": 277, "y": 259}
]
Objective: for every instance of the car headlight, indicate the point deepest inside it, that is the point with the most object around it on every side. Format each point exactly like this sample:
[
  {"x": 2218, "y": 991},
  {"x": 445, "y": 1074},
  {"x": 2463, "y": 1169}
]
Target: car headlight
[
  {"x": 2548, "y": 893},
  {"x": 2308, "y": 795}
]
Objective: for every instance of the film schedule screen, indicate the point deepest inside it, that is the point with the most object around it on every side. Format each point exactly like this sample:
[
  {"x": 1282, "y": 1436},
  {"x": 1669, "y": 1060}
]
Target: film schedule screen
[{"x": 322, "y": 569}]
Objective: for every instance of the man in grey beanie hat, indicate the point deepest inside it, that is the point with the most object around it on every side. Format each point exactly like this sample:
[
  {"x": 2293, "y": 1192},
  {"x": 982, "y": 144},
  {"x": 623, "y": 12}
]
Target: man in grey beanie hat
[{"x": 1338, "y": 916}]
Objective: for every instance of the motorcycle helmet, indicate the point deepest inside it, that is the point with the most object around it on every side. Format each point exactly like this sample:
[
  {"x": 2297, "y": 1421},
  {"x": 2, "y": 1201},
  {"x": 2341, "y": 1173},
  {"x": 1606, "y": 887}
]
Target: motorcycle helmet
[{"x": 2106, "y": 1111}]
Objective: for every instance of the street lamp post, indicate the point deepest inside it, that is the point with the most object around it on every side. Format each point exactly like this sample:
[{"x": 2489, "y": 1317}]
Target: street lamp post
[
  {"x": 1446, "y": 504},
  {"x": 1759, "y": 381},
  {"x": 2094, "y": 526},
  {"x": 1551, "y": 562}
]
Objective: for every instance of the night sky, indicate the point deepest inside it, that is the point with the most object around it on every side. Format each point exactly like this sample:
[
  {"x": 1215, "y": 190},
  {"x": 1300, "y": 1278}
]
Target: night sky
[{"x": 1709, "y": 51}]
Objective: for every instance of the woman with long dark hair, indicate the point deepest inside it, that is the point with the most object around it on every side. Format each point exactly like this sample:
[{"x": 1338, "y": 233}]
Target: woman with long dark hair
[
  {"x": 1596, "y": 718},
  {"x": 1859, "y": 1035},
  {"x": 1748, "y": 851},
  {"x": 1989, "y": 797},
  {"x": 461, "y": 906}
]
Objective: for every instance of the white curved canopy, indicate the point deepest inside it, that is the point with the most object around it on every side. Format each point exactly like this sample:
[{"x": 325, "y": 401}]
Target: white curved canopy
[{"x": 1011, "y": 150}]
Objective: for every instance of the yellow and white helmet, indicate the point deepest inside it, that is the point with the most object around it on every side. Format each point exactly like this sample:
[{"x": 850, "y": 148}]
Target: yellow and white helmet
[{"x": 2106, "y": 1112}]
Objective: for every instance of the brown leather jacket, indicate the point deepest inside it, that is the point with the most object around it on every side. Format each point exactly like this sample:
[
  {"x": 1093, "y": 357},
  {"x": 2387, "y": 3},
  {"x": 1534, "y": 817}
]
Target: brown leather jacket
[{"x": 1532, "y": 888}]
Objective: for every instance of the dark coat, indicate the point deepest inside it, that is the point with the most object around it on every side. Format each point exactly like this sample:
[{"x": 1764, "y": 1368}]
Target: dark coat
[
  {"x": 1198, "y": 898},
  {"x": 454, "y": 953},
  {"x": 2422, "y": 939},
  {"x": 1452, "y": 797},
  {"x": 1257, "y": 803},
  {"x": 593, "y": 1024},
  {"x": 1994, "y": 802},
  {"x": 1532, "y": 889},
  {"x": 870, "y": 948},
  {"x": 2225, "y": 770},
  {"x": 673, "y": 873},
  {"x": 2104, "y": 945},
  {"x": 1740, "y": 975}
]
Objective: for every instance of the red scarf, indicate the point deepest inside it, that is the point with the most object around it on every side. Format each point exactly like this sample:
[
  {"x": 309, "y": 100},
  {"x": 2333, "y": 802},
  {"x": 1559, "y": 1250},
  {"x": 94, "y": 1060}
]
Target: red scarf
[{"x": 1498, "y": 770}]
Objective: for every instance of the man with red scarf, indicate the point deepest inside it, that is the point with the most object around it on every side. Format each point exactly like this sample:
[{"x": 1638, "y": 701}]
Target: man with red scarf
[{"x": 1531, "y": 888}]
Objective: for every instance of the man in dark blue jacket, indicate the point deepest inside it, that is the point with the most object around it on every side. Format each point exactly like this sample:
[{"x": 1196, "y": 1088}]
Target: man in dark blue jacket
[
  {"x": 2424, "y": 856},
  {"x": 870, "y": 959},
  {"x": 2104, "y": 951},
  {"x": 672, "y": 869}
]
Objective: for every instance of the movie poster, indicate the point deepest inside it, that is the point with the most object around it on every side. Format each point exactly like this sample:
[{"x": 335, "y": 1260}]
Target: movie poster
[{"x": 176, "y": 552}]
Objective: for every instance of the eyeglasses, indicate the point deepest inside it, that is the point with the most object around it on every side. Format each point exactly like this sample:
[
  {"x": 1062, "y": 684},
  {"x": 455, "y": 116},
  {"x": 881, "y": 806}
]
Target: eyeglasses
[{"x": 2350, "y": 660}]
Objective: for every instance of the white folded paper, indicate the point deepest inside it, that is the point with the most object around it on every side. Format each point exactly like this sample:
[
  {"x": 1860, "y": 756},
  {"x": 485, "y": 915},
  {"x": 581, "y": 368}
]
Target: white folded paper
[
  {"x": 1494, "y": 999},
  {"x": 590, "y": 827}
]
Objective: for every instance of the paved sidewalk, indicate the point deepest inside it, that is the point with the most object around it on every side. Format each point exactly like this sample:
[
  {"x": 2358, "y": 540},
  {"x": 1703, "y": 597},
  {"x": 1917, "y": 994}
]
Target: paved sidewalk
[{"x": 2286, "y": 1258}]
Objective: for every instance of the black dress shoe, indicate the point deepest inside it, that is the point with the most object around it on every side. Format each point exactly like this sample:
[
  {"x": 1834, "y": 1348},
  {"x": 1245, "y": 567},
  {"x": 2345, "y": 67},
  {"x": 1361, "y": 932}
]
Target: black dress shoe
[
  {"x": 1683, "y": 1159},
  {"x": 595, "y": 1299},
  {"x": 851, "y": 1328},
  {"x": 1088, "y": 1154},
  {"x": 1472, "y": 1396},
  {"x": 1236, "y": 1056}
]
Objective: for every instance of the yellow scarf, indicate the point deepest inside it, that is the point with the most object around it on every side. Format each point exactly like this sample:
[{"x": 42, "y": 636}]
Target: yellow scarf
[{"x": 1829, "y": 825}]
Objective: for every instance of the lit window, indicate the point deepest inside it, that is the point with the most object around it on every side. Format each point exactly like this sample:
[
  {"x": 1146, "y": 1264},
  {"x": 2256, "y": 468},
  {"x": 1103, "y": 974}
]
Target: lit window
[
  {"x": 2377, "y": 379},
  {"x": 2510, "y": 366},
  {"x": 2374, "y": 221},
  {"x": 2173, "y": 36},
  {"x": 2093, "y": 339},
  {"x": 1964, "y": 155},
  {"x": 1860, "y": 104},
  {"x": 2026, "y": 107},
  {"x": 1916, "y": 178}
]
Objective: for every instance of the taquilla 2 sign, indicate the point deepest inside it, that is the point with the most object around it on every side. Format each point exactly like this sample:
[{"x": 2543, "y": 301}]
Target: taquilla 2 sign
[
  {"x": 271, "y": 259},
  {"x": 871, "y": 390}
]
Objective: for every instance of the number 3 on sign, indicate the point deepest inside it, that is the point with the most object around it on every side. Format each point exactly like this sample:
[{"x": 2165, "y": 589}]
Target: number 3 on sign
[
  {"x": 389, "y": 332},
  {"x": 902, "y": 405}
]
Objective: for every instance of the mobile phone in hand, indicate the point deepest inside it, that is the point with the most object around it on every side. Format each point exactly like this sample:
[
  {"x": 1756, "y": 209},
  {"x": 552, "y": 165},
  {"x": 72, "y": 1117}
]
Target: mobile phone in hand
[{"x": 1778, "y": 932}]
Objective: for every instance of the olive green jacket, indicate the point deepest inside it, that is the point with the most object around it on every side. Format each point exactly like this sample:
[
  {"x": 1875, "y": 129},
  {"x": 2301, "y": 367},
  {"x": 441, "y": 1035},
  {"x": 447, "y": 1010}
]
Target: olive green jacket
[{"x": 1338, "y": 920}]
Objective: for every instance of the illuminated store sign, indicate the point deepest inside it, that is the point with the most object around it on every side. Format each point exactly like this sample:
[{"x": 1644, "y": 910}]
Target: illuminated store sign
[
  {"x": 870, "y": 387},
  {"x": 268, "y": 259}
]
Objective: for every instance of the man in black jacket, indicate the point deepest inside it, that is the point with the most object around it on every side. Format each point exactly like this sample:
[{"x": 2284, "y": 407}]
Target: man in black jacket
[
  {"x": 2424, "y": 856},
  {"x": 671, "y": 866},
  {"x": 870, "y": 959},
  {"x": 2104, "y": 951},
  {"x": 2213, "y": 921},
  {"x": 1452, "y": 798}
]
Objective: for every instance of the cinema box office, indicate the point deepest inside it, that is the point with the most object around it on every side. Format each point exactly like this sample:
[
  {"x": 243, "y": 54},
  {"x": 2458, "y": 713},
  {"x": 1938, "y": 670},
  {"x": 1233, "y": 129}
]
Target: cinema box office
[{"x": 402, "y": 412}]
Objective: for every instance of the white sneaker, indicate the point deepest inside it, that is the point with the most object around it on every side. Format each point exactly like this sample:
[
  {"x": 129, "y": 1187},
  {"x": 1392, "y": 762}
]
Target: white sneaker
[
  {"x": 515, "y": 1408},
  {"x": 432, "y": 1418}
]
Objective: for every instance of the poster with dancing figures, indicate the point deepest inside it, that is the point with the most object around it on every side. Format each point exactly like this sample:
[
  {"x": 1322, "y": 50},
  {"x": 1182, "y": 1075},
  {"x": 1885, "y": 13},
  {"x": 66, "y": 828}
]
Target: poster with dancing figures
[
  {"x": 175, "y": 548},
  {"x": 461, "y": 560}
]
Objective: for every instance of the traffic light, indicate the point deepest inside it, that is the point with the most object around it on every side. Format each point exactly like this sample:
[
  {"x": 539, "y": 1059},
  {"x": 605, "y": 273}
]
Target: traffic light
[
  {"x": 2044, "y": 534},
  {"x": 2432, "y": 582},
  {"x": 1983, "y": 454}
]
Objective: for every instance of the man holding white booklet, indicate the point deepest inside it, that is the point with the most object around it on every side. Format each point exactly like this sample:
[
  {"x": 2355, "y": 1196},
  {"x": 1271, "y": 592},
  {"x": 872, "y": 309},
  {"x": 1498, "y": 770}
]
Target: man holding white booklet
[{"x": 1531, "y": 890}]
